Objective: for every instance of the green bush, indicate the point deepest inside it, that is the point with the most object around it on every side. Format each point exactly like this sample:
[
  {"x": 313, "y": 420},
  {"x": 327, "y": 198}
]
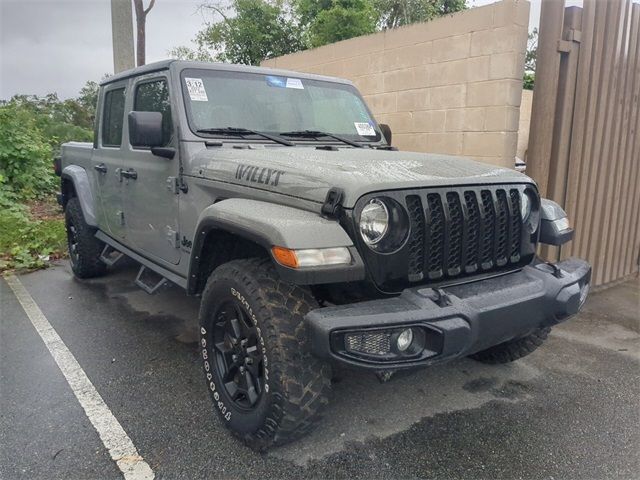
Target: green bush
[
  {"x": 25, "y": 155},
  {"x": 27, "y": 243},
  {"x": 32, "y": 128}
]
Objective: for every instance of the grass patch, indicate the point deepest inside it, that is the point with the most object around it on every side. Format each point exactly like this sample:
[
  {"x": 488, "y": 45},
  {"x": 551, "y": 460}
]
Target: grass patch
[{"x": 31, "y": 237}]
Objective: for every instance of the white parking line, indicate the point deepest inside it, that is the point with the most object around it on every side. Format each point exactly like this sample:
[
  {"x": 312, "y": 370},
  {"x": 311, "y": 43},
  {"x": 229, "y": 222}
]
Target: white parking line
[{"x": 113, "y": 436}]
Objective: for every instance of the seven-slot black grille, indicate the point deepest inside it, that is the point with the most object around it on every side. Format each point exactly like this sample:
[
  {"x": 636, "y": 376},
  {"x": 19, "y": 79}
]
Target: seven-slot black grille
[{"x": 463, "y": 231}]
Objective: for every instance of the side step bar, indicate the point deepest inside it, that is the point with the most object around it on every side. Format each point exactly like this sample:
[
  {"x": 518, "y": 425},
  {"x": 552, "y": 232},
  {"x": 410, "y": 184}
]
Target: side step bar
[
  {"x": 145, "y": 275},
  {"x": 110, "y": 255},
  {"x": 142, "y": 278}
]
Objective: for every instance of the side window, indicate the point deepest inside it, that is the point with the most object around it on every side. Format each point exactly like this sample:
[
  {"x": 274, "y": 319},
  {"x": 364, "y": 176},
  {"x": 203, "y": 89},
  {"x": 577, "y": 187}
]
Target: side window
[
  {"x": 112, "y": 118},
  {"x": 154, "y": 97}
]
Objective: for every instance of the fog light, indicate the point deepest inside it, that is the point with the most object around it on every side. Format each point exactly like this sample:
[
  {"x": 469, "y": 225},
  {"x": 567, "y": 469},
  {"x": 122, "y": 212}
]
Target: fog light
[
  {"x": 584, "y": 293},
  {"x": 404, "y": 340}
]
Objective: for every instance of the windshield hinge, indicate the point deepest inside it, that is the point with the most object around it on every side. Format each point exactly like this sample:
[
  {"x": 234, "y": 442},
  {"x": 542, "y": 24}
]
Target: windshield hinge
[
  {"x": 332, "y": 206},
  {"x": 176, "y": 185}
]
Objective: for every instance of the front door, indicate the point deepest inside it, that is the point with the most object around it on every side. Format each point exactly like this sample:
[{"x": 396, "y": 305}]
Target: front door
[
  {"x": 106, "y": 161},
  {"x": 150, "y": 196}
]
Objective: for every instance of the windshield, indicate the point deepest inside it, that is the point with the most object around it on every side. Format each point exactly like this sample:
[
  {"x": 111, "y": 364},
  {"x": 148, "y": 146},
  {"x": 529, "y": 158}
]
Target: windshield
[{"x": 275, "y": 104}]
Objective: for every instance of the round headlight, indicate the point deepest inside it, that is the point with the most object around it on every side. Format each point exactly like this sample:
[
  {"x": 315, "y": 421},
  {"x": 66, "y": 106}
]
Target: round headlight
[
  {"x": 374, "y": 221},
  {"x": 525, "y": 205}
]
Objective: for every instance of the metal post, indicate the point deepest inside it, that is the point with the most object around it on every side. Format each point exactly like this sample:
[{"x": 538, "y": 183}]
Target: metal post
[{"x": 122, "y": 34}]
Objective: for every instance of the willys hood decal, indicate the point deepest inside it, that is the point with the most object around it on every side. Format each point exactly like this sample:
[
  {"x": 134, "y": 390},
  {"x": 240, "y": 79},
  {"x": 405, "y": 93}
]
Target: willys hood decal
[{"x": 309, "y": 173}]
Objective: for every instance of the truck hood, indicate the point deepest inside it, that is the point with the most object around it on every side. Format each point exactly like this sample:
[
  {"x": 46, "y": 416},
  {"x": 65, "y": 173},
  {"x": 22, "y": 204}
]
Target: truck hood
[{"x": 308, "y": 173}]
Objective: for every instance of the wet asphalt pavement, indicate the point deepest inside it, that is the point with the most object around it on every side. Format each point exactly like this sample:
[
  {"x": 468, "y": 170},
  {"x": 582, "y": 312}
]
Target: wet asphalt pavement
[{"x": 570, "y": 410}]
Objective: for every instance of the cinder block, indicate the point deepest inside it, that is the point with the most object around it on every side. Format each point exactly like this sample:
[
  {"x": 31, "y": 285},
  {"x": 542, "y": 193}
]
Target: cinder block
[
  {"x": 478, "y": 68},
  {"x": 429, "y": 121},
  {"x": 400, "y": 122},
  {"x": 494, "y": 92},
  {"x": 447, "y": 143},
  {"x": 370, "y": 84},
  {"x": 406, "y": 79},
  {"x": 448, "y": 96},
  {"x": 383, "y": 102},
  {"x": 448, "y": 73},
  {"x": 334, "y": 69},
  {"x": 512, "y": 38},
  {"x": 357, "y": 46},
  {"x": 405, "y": 57},
  {"x": 412, "y": 100},
  {"x": 501, "y": 119},
  {"x": 451, "y": 48},
  {"x": 465, "y": 120},
  {"x": 508, "y": 12},
  {"x": 363, "y": 65},
  {"x": 507, "y": 65},
  {"x": 410, "y": 142}
]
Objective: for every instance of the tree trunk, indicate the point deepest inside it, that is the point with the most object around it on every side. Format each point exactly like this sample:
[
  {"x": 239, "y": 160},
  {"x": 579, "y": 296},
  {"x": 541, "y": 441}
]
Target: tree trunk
[
  {"x": 141, "y": 41},
  {"x": 141, "y": 19}
]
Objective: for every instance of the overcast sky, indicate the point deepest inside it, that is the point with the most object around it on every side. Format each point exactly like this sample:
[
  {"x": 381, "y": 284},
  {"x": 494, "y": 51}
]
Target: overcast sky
[{"x": 57, "y": 45}]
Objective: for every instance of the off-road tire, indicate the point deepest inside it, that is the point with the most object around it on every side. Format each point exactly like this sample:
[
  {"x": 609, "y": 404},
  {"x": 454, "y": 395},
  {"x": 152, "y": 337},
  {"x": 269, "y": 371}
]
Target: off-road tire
[
  {"x": 297, "y": 384},
  {"x": 85, "y": 260},
  {"x": 513, "y": 349}
]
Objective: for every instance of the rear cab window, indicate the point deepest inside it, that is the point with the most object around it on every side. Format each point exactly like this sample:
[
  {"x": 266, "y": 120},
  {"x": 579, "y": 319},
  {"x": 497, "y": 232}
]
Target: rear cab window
[{"x": 113, "y": 118}]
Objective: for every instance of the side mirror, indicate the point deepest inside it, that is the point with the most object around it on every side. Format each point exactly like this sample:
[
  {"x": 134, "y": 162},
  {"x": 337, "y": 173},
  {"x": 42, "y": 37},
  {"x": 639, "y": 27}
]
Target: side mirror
[
  {"x": 145, "y": 129},
  {"x": 386, "y": 131}
]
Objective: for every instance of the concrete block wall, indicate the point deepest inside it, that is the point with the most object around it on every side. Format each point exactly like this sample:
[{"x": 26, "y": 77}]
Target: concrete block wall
[{"x": 452, "y": 85}]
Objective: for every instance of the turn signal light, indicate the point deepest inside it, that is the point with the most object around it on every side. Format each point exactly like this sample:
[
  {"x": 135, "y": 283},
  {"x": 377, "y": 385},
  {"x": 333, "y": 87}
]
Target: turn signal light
[{"x": 311, "y": 257}]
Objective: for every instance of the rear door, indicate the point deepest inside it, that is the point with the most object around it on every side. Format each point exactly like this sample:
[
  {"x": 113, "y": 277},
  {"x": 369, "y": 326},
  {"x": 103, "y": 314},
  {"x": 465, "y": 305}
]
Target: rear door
[
  {"x": 151, "y": 200},
  {"x": 107, "y": 159}
]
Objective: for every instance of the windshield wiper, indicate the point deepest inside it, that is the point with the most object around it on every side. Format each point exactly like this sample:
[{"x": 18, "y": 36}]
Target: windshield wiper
[
  {"x": 241, "y": 132},
  {"x": 317, "y": 134}
]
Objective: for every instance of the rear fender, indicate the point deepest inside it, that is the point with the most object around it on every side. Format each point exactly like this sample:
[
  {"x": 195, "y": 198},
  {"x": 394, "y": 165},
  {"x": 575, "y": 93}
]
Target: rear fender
[{"x": 80, "y": 180}]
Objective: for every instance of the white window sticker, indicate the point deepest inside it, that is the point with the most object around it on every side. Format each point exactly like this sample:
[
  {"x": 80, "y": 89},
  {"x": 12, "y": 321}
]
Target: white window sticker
[
  {"x": 196, "y": 90},
  {"x": 295, "y": 83},
  {"x": 365, "y": 129}
]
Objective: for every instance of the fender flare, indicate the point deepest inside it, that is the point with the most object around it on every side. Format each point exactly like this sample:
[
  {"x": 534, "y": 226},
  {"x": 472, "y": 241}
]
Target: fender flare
[
  {"x": 268, "y": 224},
  {"x": 80, "y": 180}
]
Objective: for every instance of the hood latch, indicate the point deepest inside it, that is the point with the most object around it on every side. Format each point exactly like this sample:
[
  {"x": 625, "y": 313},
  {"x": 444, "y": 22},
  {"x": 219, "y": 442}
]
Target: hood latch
[{"x": 332, "y": 206}]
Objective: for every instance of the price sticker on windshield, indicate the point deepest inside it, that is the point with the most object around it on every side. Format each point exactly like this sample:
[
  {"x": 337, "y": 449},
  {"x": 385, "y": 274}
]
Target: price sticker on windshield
[
  {"x": 295, "y": 83},
  {"x": 196, "y": 90},
  {"x": 365, "y": 129}
]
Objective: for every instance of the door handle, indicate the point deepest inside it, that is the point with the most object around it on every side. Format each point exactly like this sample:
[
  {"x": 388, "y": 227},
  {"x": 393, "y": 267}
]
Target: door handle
[
  {"x": 102, "y": 168},
  {"x": 129, "y": 173}
]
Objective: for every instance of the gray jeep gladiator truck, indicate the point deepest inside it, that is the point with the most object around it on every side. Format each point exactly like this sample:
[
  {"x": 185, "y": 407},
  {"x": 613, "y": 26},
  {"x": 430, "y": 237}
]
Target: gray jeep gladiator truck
[{"x": 312, "y": 242}]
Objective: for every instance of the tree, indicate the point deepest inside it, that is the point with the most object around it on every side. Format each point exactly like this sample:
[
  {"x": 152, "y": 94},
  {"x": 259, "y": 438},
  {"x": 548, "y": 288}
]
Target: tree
[
  {"x": 530, "y": 60},
  {"x": 249, "y": 31},
  {"x": 328, "y": 21},
  {"x": 396, "y": 13},
  {"x": 58, "y": 121},
  {"x": 532, "y": 51},
  {"x": 141, "y": 36},
  {"x": 246, "y": 31}
]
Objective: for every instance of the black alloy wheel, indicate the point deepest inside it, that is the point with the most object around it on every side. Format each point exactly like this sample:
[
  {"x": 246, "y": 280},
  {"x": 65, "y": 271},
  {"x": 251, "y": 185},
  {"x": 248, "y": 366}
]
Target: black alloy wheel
[
  {"x": 239, "y": 359},
  {"x": 72, "y": 240}
]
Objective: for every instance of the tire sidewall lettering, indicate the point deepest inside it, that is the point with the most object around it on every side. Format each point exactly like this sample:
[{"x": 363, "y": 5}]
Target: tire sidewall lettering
[{"x": 226, "y": 411}]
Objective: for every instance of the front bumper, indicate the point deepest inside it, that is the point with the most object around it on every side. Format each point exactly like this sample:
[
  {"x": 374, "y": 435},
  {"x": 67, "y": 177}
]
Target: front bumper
[{"x": 454, "y": 321}]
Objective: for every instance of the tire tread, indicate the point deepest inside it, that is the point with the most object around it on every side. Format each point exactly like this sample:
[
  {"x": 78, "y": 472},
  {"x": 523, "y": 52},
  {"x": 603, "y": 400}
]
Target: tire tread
[{"x": 303, "y": 381}]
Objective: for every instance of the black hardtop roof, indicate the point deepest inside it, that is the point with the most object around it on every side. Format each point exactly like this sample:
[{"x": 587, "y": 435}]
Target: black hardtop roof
[{"x": 182, "y": 64}]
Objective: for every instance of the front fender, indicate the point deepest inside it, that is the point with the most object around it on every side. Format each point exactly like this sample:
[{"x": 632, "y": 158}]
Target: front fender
[
  {"x": 268, "y": 224},
  {"x": 80, "y": 180}
]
